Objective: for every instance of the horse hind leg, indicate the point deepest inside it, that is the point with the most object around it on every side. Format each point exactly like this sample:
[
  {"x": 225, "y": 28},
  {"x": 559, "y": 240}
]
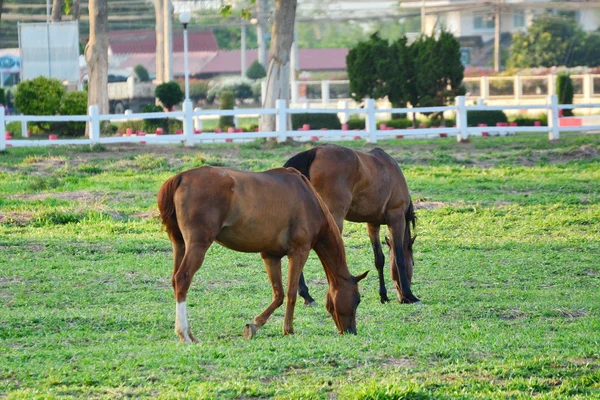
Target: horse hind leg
[
  {"x": 303, "y": 292},
  {"x": 379, "y": 260},
  {"x": 401, "y": 272},
  {"x": 182, "y": 279},
  {"x": 273, "y": 266}
]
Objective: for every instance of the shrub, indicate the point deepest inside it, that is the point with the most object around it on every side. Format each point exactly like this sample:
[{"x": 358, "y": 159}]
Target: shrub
[
  {"x": 13, "y": 127},
  {"x": 2, "y": 97},
  {"x": 227, "y": 100},
  {"x": 356, "y": 123},
  {"x": 169, "y": 94},
  {"x": 73, "y": 103},
  {"x": 530, "y": 121},
  {"x": 150, "y": 125},
  {"x": 256, "y": 71},
  {"x": 485, "y": 117},
  {"x": 240, "y": 87},
  {"x": 564, "y": 90},
  {"x": 198, "y": 90},
  {"x": 40, "y": 96},
  {"x": 142, "y": 73},
  {"x": 316, "y": 121},
  {"x": 398, "y": 123}
]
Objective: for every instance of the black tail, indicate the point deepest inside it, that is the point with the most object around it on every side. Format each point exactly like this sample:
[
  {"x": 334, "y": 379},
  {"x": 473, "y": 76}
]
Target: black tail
[{"x": 302, "y": 161}]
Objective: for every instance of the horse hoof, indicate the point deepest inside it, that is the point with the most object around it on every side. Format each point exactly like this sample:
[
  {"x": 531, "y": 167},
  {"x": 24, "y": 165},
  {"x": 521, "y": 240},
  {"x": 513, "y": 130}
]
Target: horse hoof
[
  {"x": 384, "y": 299},
  {"x": 311, "y": 304},
  {"x": 249, "y": 331}
]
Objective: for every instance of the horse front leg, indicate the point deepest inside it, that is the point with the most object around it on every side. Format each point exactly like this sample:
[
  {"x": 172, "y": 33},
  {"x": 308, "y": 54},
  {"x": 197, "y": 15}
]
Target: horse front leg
[
  {"x": 373, "y": 230},
  {"x": 297, "y": 258},
  {"x": 273, "y": 266},
  {"x": 182, "y": 279}
]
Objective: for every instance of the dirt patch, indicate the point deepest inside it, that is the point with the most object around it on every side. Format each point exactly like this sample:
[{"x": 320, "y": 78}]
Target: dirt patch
[
  {"x": 567, "y": 313},
  {"x": 582, "y": 152},
  {"x": 15, "y": 218},
  {"x": 398, "y": 362},
  {"x": 512, "y": 315},
  {"x": 428, "y": 205},
  {"x": 81, "y": 195}
]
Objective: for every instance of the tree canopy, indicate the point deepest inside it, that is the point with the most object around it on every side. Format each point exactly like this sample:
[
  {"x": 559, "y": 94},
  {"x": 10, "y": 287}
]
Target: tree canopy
[
  {"x": 554, "y": 40},
  {"x": 426, "y": 73}
]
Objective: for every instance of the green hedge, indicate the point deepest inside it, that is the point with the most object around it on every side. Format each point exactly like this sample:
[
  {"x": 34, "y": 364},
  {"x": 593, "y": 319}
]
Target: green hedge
[
  {"x": 530, "y": 121},
  {"x": 485, "y": 117},
  {"x": 316, "y": 121}
]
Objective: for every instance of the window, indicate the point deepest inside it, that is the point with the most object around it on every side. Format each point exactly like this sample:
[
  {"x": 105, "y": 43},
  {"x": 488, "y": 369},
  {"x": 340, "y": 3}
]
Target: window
[
  {"x": 519, "y": 18},
  {"x": 483, "y": 21}
]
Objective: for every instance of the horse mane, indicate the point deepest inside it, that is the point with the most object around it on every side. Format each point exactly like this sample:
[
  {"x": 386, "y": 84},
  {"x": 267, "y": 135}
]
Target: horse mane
[
  {"x": 302, "y": 162},
  {"x": 339, "y": 248}
]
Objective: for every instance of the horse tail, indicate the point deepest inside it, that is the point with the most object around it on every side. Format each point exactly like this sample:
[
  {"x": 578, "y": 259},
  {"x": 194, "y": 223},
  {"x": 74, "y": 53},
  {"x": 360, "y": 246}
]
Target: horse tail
[
  {"x": 302, "y": 161},
  {"x": 166, "y": 206}
]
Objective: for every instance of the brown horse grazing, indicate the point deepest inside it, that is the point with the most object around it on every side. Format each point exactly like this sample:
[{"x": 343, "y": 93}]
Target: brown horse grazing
[
  {"x": 274, "y": 213},
  {"x": 365, "y": 187}
]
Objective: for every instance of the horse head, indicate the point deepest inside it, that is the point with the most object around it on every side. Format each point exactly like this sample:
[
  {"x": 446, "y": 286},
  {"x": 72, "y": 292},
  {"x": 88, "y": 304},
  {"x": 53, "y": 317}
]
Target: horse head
[{"x": 342, "y": 302}]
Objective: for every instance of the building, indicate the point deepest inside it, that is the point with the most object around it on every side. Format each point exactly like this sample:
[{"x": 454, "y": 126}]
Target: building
[{"x": 474, "y": 22}]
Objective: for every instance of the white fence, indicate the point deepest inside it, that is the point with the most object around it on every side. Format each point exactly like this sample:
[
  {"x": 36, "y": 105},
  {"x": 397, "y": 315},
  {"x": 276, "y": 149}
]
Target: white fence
[{"x": 371, "y": 133}]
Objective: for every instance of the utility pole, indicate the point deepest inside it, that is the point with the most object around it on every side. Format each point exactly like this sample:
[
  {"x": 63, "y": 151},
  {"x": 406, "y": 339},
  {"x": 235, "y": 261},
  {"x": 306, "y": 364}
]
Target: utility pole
[
  {"x": 160, "y": 40},
  {"x": 497, "y": 39},
  {"x": 423, "y": 24},
  {"x": 243, "y": 50},
  {"x": 261, "y": 31},
  {"x": 168, "y": 40}
]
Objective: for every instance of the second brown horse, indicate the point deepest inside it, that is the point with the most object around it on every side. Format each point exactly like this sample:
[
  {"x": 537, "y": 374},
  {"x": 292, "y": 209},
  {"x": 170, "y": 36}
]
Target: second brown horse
[
  {"x": 274, "y": 213},
  {"x": 365, "y": 187}
]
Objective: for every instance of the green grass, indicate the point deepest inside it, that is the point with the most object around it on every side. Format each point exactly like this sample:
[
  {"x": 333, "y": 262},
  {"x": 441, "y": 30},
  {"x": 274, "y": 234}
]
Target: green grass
[{"x": 506, "y": 266}]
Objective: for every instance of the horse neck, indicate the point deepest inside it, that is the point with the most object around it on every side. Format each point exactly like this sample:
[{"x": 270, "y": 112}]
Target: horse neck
[{"x": 330, "y": 250}]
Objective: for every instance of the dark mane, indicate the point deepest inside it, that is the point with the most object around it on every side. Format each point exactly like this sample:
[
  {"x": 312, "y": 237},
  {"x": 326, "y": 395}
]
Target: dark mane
[{"x": 302, "y": 161}]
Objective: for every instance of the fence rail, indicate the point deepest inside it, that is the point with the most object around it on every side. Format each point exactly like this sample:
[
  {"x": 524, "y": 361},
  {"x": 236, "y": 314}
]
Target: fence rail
[{"x": 371, "y": 132}]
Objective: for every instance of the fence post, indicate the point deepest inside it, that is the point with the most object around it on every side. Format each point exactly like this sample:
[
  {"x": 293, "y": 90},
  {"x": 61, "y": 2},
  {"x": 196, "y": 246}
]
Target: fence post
[
  {"x": 2, "y": 130},
  {"x": 197, "y": 120},
  {"x": 24, "y": 132},
  {"x": 553, "y": 134},
  {"x": 461, "y": 119},
  {"x": 484, "y": 88},
  {"x": 344, "y": 115},
  {"x": 188, "y": 123},
  {"x": 371, "y": 123},
  {"x": 94, "y": 124},
  {"x": 281, "y": 120},
  {"x": 236, "y": 121},
  {"x": 518, "y": 87},
  {"x": 325, "y": 94}
]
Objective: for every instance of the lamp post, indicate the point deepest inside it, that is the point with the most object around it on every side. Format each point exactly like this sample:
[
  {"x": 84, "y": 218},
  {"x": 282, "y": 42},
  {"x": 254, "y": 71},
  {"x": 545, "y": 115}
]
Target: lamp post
[
  {"x": 184, "y": 18},
  {"x": 188, "y": 119}
]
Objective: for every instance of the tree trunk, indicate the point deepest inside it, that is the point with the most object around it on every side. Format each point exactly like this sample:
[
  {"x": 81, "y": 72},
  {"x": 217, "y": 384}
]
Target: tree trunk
[
  {"x": 75, "y": 10},
  {"x": 57, "y": 6},
  {"x": 278, "y": 72},
  {"x": 160, "y": 43},
  {"x": 96, "y": 56}
]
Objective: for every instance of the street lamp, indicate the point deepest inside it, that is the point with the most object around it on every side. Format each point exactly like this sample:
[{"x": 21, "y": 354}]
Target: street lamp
[{"x": 184, "y": 18}]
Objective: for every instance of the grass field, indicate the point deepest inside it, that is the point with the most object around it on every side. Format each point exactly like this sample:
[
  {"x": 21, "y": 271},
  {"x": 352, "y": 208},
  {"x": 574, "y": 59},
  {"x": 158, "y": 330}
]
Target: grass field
[{"x": 507, "y": 266}]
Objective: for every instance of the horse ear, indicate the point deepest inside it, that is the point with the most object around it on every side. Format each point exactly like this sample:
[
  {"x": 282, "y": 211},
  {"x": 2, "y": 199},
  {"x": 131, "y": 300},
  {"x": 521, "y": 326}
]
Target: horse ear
[
  {"x": 361, "y": 276},
  {"x": 412, "y": 241}
]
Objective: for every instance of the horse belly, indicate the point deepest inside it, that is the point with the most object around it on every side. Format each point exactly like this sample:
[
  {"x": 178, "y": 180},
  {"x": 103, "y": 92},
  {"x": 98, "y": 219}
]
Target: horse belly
[{"x": 252, "y": 239}]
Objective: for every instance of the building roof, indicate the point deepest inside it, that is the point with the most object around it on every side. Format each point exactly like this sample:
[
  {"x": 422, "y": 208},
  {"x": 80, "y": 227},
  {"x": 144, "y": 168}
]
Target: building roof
[
  {"x": 229, "y": 62},
  {"x": 197, "y": 60},
  {"x": 144, "y": 42}
]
